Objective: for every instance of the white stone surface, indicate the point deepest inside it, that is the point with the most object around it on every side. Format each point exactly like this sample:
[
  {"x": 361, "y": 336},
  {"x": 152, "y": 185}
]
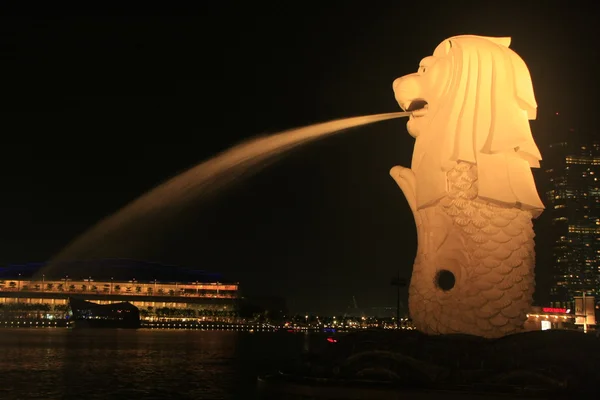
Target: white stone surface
[{"x": 470, "y": 186}]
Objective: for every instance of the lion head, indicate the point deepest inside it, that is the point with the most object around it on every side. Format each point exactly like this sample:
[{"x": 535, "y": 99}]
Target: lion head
[{"x": 472, "y": 101}]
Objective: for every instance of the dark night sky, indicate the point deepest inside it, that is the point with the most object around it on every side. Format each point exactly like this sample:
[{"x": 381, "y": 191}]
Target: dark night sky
[{"x": 98, "y": 110}]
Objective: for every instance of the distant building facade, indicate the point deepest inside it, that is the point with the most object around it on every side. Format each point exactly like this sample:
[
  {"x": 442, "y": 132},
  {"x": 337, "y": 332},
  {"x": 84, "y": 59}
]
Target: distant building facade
[
  {"x": 26, "y": 292},
  {"x": 543, "y": 318},
  {"x": 572, "y": 171}
]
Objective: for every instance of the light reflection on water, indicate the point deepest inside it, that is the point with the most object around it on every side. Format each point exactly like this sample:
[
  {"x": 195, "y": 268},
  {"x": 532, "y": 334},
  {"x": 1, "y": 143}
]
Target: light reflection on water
[{"x": 121, "y": 364}]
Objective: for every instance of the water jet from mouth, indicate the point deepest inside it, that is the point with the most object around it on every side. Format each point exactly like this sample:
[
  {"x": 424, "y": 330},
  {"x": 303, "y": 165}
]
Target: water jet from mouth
[{"x": 204, "y": 179}]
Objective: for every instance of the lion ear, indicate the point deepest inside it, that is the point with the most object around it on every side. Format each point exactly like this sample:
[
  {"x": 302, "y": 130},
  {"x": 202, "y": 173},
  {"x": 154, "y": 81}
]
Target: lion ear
[
  {"x": 523, "y": 85},
  {"x": 522, "y": 78},
  {"x": 502, "y": 41}
]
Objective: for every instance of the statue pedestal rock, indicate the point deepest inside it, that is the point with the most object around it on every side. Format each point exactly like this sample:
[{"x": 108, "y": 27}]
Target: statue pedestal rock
[{"x": 470, "y": 187}]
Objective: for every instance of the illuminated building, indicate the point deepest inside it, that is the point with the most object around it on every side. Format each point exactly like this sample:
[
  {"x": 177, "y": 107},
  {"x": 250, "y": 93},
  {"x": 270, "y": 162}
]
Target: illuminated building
[
  {"x": 573, "y": 202},
  {"x": 189, "y": 293},
  {"x": 543, "y": 318}
]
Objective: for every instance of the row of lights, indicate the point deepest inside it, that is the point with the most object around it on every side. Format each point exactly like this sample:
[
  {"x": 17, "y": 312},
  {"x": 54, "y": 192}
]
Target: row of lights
[
  {"x": 186, "y": 326},
  {"x": 228, "y": 327},
  {"x": 547, "y": 316}
]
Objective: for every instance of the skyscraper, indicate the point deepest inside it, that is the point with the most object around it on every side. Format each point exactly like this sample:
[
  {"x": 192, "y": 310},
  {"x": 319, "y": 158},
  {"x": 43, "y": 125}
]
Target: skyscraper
[{"x": 572, "y": 199}]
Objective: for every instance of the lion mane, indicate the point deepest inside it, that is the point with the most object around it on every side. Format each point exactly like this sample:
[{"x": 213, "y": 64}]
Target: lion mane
[{"x": 482, "y": 117}]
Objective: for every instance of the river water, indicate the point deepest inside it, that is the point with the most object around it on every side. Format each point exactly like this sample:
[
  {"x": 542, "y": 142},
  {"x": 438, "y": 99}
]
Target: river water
[{"x": 143, "y": 364}]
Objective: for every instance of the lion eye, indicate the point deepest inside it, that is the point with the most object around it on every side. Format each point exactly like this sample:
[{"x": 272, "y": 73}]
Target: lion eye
[{"x": 423, "y": 69}]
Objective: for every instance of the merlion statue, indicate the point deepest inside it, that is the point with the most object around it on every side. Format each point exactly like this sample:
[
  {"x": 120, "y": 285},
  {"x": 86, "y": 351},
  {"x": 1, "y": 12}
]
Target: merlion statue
[{"x": 470, "y": 187}]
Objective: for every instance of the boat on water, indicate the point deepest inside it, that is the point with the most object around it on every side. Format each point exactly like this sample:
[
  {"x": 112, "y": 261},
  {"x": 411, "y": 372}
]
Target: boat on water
[{"x": 86, "y": 314}]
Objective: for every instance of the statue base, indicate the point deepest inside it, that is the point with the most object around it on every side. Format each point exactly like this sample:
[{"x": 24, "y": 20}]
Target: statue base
[{"x": 394, "y": 364}]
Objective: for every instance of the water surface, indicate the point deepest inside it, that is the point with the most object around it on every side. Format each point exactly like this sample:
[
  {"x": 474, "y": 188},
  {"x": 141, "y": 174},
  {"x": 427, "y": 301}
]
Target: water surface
[{"x": 121, "y": 364}]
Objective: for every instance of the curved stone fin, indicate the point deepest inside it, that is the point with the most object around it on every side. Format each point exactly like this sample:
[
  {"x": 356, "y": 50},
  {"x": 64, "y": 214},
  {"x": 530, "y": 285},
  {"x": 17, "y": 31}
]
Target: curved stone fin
[{"x": 405, "y": 178}]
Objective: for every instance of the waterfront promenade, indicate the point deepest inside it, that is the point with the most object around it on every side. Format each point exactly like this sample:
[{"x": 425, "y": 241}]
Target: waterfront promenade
[{"x": 37, "y": 323}]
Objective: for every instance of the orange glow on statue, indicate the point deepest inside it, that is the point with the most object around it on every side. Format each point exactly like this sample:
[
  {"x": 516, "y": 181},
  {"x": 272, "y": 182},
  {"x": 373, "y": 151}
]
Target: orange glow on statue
[{"x": 470, "y": 187}]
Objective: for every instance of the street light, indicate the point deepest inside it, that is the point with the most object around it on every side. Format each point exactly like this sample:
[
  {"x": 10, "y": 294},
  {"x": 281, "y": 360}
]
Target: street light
[{"x": 399, "y": 283}]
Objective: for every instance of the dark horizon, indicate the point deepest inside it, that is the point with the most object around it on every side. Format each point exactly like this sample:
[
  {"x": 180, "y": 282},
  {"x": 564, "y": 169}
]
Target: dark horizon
[{"x": 99, "y": 110}]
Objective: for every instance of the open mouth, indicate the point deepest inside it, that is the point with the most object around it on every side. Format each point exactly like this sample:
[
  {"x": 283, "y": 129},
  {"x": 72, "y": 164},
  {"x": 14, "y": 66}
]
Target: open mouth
[{"x": 418, "y": 107}]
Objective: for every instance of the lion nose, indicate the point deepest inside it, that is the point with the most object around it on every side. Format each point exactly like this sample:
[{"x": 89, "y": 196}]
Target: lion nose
[{"x": 406, "y": 89}]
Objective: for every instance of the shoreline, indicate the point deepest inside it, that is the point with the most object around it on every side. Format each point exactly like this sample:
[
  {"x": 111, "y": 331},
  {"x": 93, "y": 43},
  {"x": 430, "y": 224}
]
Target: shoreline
[{"x": 171, "y": 325}]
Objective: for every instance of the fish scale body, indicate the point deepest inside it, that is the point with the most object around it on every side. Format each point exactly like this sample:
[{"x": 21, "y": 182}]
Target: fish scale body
[{"x": 488, "y": 247}]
